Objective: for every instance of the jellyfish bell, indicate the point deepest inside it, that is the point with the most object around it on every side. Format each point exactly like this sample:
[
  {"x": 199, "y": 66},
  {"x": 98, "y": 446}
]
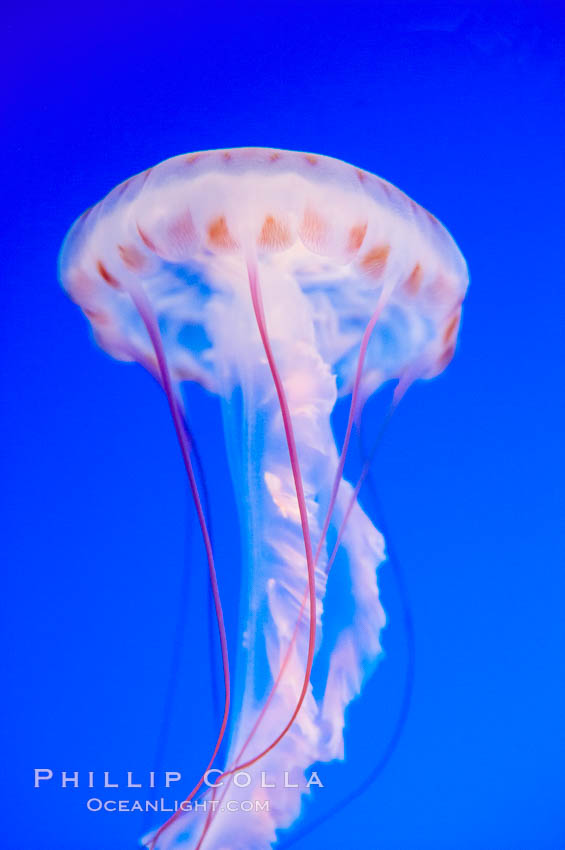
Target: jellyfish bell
[{"x": 279, "y": 281}]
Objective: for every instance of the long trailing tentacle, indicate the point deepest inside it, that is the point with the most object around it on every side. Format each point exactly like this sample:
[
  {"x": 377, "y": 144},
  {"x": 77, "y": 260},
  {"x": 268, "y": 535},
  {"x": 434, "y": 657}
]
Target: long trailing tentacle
[
  {"x": 146, "y": 313},
  {"x": 381, "y": 304},
  {"x": 180, "y": 628},
  {"x": 408, "y": 626},
  {"x": 310, "y": 558},
  {"x": 293, "y": 455},
  {"x": 333, "y": 498}
]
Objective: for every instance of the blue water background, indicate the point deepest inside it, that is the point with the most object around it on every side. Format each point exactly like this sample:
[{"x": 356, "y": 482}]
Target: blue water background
[{"x": 460, "y": 105}]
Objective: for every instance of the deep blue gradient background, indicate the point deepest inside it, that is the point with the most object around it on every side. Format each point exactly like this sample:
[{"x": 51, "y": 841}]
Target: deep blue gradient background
[{"x": 457, "y": 104}]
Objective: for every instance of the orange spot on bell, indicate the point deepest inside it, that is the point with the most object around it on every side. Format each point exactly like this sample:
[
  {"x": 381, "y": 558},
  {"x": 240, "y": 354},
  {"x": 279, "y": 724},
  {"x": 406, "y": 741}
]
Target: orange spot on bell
[
  {"x": 192, "y": 158},
  {"x": 182, "y": 230},
  {"x": 97, "y": 316},
  {"x": 105, "y": 275},
  {"x": 313, "y": 230},
  {"x": 274, "y": 157},
  {"x": 355, "y": 238},
  {"x": 414, "y": 280},
  {"x": 80, "y": 285},
  {"x": 374, "y": 261},
  {"x": 311, "y": 159},
  {"x": 146, "y": 240},
  {"x": 440, "y": 289},
  {"x": 274, "y": 235},
  {"x": 132, "y": 257},
  {"x": 219, "y": 235},
  {"x": 451, "y": 328},
  {"x": 447, "y": 356}
]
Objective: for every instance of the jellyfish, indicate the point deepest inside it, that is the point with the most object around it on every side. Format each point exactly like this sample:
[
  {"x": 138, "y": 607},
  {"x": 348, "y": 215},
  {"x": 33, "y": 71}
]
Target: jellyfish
[{"x": 281, "y": 282}]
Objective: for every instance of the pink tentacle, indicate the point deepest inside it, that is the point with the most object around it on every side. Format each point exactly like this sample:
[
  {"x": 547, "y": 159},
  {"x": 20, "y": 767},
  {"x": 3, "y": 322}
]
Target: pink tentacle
[
  {"x": 259, "y": 312},
  {"x": 352, "y": 413},
  {"x": 145, "y": 311},
  {"x": 257, "y": 302}
]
